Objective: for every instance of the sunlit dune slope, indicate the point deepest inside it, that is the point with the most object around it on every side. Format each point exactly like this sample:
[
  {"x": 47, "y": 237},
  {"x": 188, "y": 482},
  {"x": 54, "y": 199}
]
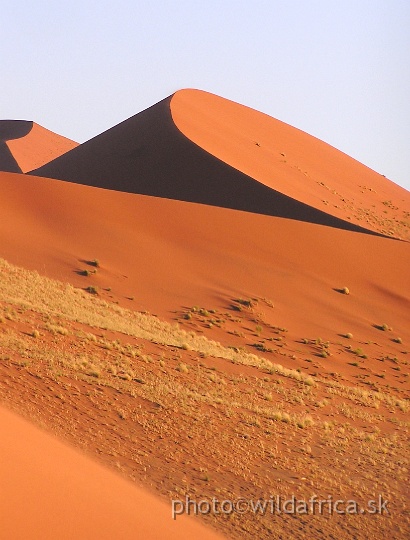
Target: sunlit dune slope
[
  {"x": 49, "y": 491},
  {"x": 26, "y": 145},
  {"x": 168, "y": 254},
  {"x": 197, "y": 147}
]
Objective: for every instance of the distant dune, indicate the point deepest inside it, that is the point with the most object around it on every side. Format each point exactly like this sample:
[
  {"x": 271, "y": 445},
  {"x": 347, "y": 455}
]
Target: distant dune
[
  {"x": 26, "y": 145},
  {"x": 197, "y": 147},
  {"x": 49, "y": 491}
]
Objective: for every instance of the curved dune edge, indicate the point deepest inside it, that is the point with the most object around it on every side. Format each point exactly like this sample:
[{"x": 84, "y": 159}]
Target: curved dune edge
[
  {"x": 27, "y": 145},
  {"x": 14, "y": 129},
  {"x": 286, "y": 159},
  {"x": 149, "y": 154},
  {"x": 49, "y": 491}
]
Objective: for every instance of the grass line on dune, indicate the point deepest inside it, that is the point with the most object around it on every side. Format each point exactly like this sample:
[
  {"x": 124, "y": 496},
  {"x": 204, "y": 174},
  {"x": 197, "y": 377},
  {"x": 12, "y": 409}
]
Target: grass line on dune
[{"x": 29, "y": 289}]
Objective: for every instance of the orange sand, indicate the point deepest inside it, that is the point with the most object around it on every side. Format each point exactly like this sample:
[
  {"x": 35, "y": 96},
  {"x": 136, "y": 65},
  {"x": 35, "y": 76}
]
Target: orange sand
[
  {"x": 26, "y": 145},
  {"x": 169, "y": 254},
  {"x": 49, "y": 490},
  {"x": 282, "y": 216},
  {"x": 197, "y": 147}
]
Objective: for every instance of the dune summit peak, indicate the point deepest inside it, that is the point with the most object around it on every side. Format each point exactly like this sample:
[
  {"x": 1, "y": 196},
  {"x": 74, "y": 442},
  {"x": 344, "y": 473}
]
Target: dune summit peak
[
  {"x": 25, "y": 145},
  {"x": 197, "y": 147},
  {"x": 14, "y": 129}
]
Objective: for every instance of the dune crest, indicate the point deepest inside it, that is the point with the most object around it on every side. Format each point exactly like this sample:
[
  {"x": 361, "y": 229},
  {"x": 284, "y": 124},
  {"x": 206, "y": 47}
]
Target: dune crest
[
  {"x": 197, "y": 147},
  {"x": 25, "y": 145}
]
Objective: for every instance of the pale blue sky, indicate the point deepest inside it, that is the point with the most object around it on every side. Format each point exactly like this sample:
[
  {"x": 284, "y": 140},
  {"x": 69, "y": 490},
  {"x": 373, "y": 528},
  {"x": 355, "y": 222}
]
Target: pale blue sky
[{"x": 339, "y": 70}]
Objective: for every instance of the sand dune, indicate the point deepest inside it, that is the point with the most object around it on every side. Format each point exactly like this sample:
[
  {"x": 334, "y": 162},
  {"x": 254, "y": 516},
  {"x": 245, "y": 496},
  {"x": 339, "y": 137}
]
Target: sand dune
[
  {"x": 197, "y": 147},
  {"x": 197, "y": 201},
  {"x": 26, "y": 145},
  {"x": 168, "y": 254},
  {"x": 49, "y": 490}
]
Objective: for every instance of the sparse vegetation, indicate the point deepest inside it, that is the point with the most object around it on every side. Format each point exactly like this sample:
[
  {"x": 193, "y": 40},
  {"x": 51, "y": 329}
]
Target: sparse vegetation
[
  {"x": 92, "y": 290},
  {"x": 384, "y": 327},
  {"x": 162, "y": 384}
]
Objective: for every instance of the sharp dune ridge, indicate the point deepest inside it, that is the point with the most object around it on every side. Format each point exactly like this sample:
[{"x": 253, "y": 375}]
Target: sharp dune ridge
[
  {"x": 197, "y": 147},
  {"x": 211, "y": 302},
  {"x": 25, "y": 145}
]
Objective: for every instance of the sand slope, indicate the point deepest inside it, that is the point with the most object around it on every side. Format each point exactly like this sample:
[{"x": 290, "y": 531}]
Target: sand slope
[
  {"x": 26, "y": 145},
  {"x": 49, "y": 490},
  {"x": 264, "y": 211},
  {"x": 195, "y": 146},
  {"x": 168, "y": 254}
]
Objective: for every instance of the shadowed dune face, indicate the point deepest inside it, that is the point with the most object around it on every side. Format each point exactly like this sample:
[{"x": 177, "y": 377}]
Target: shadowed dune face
[
  {"x": 50, "y": 491},
  {"x": 196, "y": 147},
  {"x": 14, "y": 129},
  {"x": 25, "y": 145},
  {"x": 9, "y": 130},
  {"x": 7, "y": 161}
]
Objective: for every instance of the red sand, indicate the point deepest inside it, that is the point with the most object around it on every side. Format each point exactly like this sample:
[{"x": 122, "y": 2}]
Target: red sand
[
  {"x": 281, "y": 156},
  {"x": 171, "y": 255},
  {"x": 197, "y": 147},
  {"x": 26, "y": 145},
  {"x": 168, "y": 254},
  {"x": 49, "y": 490}
]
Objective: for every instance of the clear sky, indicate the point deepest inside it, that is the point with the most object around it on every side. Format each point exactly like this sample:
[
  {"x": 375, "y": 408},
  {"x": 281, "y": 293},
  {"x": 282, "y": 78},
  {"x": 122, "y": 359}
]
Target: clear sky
[{"x": 337, "y": 69}]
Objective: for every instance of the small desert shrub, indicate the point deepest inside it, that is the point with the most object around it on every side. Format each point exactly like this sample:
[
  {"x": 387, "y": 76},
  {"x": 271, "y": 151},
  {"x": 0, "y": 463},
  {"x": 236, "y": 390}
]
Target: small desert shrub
[
  {"x": 397, "y": 340},
  {"x": 384, "y": 327},
  {"x": 35, "y": 334},
  {"x": 359, "y": 352},
  {"x": 246, "y": 303},
  {"x": 55, "y": 329},
  {"x": 92, "y": 290},
  {"x": 183, "y": 368},
  {"x": 348, "y": 335},
  {"x": 95, "y": 262},
  {"x": 345, "y": 290}
]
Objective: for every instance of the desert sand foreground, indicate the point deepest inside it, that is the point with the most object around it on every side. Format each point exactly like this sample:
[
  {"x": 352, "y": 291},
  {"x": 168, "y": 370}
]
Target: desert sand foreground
[
  {"x": 213, "y": 304},
  {"x": 48, "y": 490}
]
